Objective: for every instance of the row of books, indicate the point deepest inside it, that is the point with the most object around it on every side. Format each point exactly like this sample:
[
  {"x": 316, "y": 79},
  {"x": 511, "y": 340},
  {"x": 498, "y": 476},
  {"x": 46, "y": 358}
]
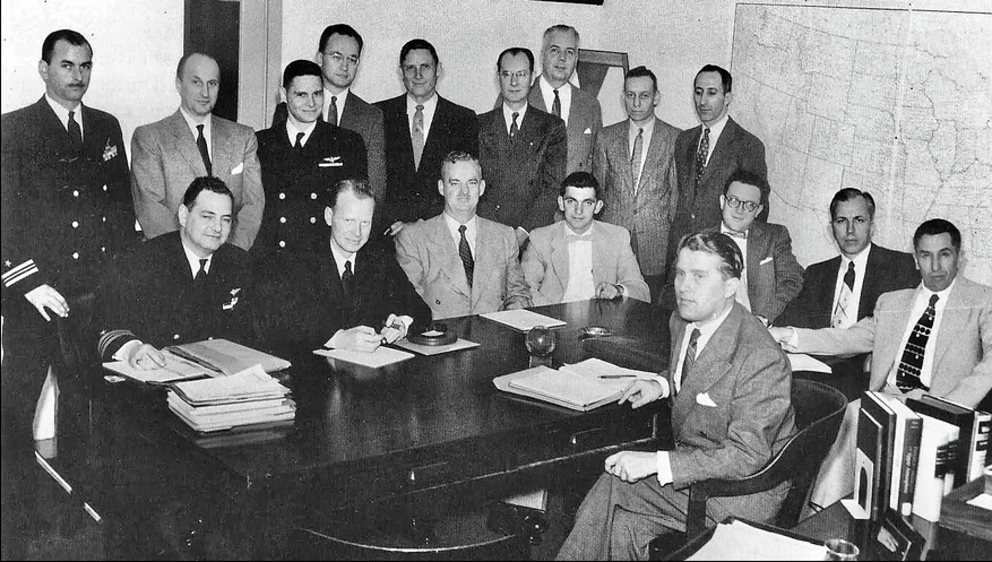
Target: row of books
[
  {"x": 910, "y": 455},
  {"x": 249, "y": 399}
]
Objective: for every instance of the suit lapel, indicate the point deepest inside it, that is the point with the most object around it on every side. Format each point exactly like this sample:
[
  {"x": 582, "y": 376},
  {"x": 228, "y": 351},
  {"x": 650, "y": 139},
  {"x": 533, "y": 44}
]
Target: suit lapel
[
  {"x": 868, "y": 280},
  {"x": 186, "y": 144},
  {"x": 952, "y": 324},
  {"x": 601, "y": 247},
  {"x": 535, "y": 98},
  {"x": 652, "y": 160},
  {"x": 486, "y": 266},
  {"x": 439, "y": 130},
  {"x": 713, "y": 362},
  {"x": 721, "y": 151},
  {"x": 559, "y": 256},
  {"x": 757, "y": 240},
  {"x": 450, "y": 263}
]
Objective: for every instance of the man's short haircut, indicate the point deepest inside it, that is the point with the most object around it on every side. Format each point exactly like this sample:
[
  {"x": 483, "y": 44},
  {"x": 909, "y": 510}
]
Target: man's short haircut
[
  {"x": 581, "y": 180},
  {"x": 725, "y": 77},
  {"x": 456, "y": 156},
  {"x": 298, "y": 68},
  {"x": 69, "y": 36},
  {"x": 720, "y": 245},
  {"x": 933, "y": 227},
  {"x": 182, "y": 62},
  {"x": 415, "y": 44},
  {"x": 849, "y": 194},
  {"x": 205, "y": 183},
  {"x": 359, "y": 186},
  {"x": 555, "y": 29},
  {"x": 514, "y": 51},
  {"x": 641, "y": 72},
  {"x": 749, "y": 178},
  {"x": 342, "y": 29}
]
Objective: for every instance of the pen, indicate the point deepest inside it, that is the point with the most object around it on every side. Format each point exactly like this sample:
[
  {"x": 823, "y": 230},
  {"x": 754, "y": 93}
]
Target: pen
[{"x": 618, "y": 376}]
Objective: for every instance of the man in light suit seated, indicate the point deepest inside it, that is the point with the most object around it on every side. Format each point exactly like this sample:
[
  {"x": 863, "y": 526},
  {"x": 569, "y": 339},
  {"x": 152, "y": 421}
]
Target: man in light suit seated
[
  {"x": 581, "y": 258},
  {"x": 460, "y": 263},
  {"x": 933, "y": 339}
]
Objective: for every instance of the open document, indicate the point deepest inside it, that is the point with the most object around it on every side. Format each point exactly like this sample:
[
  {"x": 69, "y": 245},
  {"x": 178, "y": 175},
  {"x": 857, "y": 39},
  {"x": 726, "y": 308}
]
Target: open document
[{"x": 582, "y": 386}]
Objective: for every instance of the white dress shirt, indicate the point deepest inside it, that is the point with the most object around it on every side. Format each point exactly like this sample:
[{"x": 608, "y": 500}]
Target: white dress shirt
[
  {"x": 471, "y": 228},
  {"x": 342, "y": 98},
  {"x": 742, "y": 296},
  {"x": 646, "y": 140},
  {"x": 854, "y": 302},
  {"x": 564, "y": 95},
  {"x": 292, "y": 130},
  {"x": 580, "y": 284},
  {"x": 715, "y": 131},
  {"x": 63, "y": 114},
  {"x": 207, "y": 129},
  {"x": 508, "y": 116},
  {"x": 920, "y": 305},
  {"x": 430, "y": 106}
]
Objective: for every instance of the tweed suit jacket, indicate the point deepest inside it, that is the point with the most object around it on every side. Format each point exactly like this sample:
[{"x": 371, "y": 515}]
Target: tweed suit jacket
[
  {"x": 962, "y": 364},
  {"x": 165, "y": 160},
  {"x": 428, "y": 254},
  {"x": 545, "y": 262},
  {"x": 646, "y": 211},
  {"x": 886, "y": 270},
  {"x": 522, "y": 176}
]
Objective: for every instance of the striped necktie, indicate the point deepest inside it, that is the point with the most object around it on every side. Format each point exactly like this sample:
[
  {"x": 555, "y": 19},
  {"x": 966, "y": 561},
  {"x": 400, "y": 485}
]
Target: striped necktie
[{"x": 690, "y": 356}]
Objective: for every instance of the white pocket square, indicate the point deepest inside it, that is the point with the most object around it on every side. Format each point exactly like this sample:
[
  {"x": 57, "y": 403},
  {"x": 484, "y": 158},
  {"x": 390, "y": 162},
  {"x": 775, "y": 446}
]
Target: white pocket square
[
  {"x": 588, "y": 131},
  {"x": 238, "y": 169},
  {"x": 331, "y": 162},
  {"x": 705, "y": 400},
  {"x": 766, "y": 260}
]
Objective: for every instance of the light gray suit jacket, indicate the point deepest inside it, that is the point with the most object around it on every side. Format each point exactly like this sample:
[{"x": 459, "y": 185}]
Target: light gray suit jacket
[
  {"x": 962, "y": 365},
  {"x": 366, "y": 120},
  {"x": 165, "y": 160},
  {"x": 545, "y": 262},
  {"x": 428, "y": 254},
  {"x": 646, "y": 212}
]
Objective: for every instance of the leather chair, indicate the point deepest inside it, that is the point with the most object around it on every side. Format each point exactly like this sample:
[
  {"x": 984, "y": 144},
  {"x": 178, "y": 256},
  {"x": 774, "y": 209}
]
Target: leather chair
[{"x": 819, "y": 411}]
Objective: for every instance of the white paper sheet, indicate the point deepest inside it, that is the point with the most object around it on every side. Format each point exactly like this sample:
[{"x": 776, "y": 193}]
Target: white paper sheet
[
  {"x": 522, "y": 320},
  {"x": 381, "y": 357},
  {"x": 803, "y": 362},
  {"x": 740, "y": 541}
]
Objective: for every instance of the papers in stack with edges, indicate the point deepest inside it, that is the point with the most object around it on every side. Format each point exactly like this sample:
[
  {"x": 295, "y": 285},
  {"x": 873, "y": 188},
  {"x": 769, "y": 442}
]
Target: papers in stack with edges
[
  {"x": 176, "y": 369},
  {"x": 522, "y": 320},
  {"x": 251, "y": 397},
  {"x": 579, "y": 387},
  {"x": 381, "y": 357},
  {"x": 208, "y": 358}
]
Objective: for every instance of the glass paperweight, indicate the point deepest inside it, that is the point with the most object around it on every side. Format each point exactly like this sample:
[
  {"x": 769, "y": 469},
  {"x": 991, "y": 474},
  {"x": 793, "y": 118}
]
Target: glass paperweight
[{"x": 541, "y": 342}]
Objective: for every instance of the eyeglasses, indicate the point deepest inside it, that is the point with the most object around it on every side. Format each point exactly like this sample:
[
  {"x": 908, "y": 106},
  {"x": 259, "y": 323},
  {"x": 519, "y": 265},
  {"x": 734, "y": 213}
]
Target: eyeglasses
[
  {"x": 520, "y": 74},
  {"x": 749, "y": 206}
]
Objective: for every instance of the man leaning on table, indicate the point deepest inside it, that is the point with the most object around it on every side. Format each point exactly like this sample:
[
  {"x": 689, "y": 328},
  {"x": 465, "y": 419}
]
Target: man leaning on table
[
  {"x": 731, "y": 411},
  {"x": 349, "y": 294},
  {"x": 179, "y": 287},
  {"x": 933, "y": 339},
  {"x": 460, "y": 263}
]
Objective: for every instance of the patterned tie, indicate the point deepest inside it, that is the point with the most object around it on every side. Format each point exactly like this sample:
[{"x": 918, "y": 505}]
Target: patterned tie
[
  {"x": 201, "y": 274},
  {"x": 75, "y": 135},
  {"x": 332, "y": 111},
  {"x": 635, "y": 157},
  {"x": 735, "y": 233},
  {"x": 201, "y": 143},
  {"x": 690, "y": 356},
  {"x": 346, "y": 278},
  {"x": 556, "y": 106},
  {"x": 701, "y": 154},
  {"x": 513, "y": 126},
  {"x": 908, "y": 376},
  {"x": 840, "y": 316},
  {"x": 299, "y": 140},
  {"x": 418, "y": 135},
  {"x": 465, "y": 252}
]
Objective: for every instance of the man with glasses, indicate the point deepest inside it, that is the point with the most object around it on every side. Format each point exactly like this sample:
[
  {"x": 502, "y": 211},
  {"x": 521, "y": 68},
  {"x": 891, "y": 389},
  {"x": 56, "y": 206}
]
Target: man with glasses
[
  {"x": 522, "y": 149},
  {"x": 581, "y": 258},
  {"x": 772, "y": 277}
]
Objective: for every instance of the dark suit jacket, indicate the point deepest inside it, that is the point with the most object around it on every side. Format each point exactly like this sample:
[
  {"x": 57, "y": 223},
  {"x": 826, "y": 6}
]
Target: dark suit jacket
[
  {"x": 365, "y": 119},
  {"x": 887, "y": 270},
  {"x": 648, "y": 213},
  {"x": 305, "y": 303},
  {"x": 523, "y": 176},
  {"x": 295, "y": 181},
  {"x": 746, "y": 375},
  {"x": 411, "y": 193},
  {"x": 736, "y": 150},
  {"x": 150, "y": 295}
]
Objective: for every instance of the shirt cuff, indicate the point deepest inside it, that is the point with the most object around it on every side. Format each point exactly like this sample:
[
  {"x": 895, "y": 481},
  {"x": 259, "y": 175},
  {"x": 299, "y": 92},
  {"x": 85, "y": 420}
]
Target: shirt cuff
[
  {"x": 794, "y": 338},
  {"x": 126, "y": 350},
  {"x": 664, "y": 468},
  {"x": 665, "y": 389}
]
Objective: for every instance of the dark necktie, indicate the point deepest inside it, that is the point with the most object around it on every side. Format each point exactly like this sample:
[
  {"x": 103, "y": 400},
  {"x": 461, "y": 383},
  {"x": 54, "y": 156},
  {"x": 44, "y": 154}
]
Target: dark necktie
[
  {"x": 299, "y": 140},
  {"x": 201, "y": 274},
  {"x": 418, "y": 135},
  {"x": 841, "y": 313},
  {"x": 908, "y": 376},
  {"x": 635, "y": 157},
  {"x": 465, "y": 252},
  {"x": 332, "y": 111},
  {"x": 556, "y": 106},
  {"x": 75, "y": 135},
  {"x": 702, "y": 153},
  {"x": 346, "y": 278},
  {"x": 513, "y": 126},
  {"x": 201, "y": 143},
  {"x": 690, "y": 356}
]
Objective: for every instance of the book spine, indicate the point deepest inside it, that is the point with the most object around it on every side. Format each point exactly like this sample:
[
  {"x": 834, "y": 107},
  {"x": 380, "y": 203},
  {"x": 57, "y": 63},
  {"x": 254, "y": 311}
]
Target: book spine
[
  {"x": 911, "y": 460},
  {"x": 979, "y": 444}
]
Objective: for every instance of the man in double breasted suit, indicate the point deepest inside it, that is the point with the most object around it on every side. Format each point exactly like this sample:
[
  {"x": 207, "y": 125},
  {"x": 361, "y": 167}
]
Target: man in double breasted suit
[
  {"x": 167, "y": 155},
  {"x": 66, "y": 210},
  {"x": 948, "y": 316},
  {"x": 522, "y": 150},
  {"x": 460, "y": 263},
  {"x": 300, "y": 158},
  {"x": 705, "y": 156},
  {"x": 634, "y": 162},
  {"x": 730, "y": 387},
  {"x": 421, "y": 128},
  {"x": 347, "y": 294}
]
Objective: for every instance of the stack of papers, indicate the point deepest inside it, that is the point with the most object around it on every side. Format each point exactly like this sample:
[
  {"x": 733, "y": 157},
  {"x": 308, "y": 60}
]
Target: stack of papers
[
  {"x": 582, "y": 386},
  {"x": 248, "y": 398},
  {"x": 522, "y": 320}
]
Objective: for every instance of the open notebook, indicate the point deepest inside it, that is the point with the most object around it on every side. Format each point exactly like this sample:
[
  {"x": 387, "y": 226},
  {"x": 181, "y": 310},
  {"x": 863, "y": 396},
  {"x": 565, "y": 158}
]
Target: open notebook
[
  {"x": 583, "y": 386},
  {"x": 208, "y": 358}
]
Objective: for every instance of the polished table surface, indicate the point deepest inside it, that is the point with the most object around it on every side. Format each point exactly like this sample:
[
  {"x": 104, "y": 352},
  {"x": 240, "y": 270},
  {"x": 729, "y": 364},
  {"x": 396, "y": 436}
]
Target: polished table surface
[{"x": 428, "y": 430}]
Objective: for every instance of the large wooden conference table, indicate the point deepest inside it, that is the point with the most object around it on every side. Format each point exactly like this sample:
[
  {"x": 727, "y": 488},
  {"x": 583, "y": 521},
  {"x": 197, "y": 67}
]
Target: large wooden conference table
[{"x": 421, "y": 435}]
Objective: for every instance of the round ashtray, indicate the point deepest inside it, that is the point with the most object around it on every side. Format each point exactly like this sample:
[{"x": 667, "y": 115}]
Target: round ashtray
[
  {"x": 596, "y": 332},
  {"x": 437, "y": 334}
]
